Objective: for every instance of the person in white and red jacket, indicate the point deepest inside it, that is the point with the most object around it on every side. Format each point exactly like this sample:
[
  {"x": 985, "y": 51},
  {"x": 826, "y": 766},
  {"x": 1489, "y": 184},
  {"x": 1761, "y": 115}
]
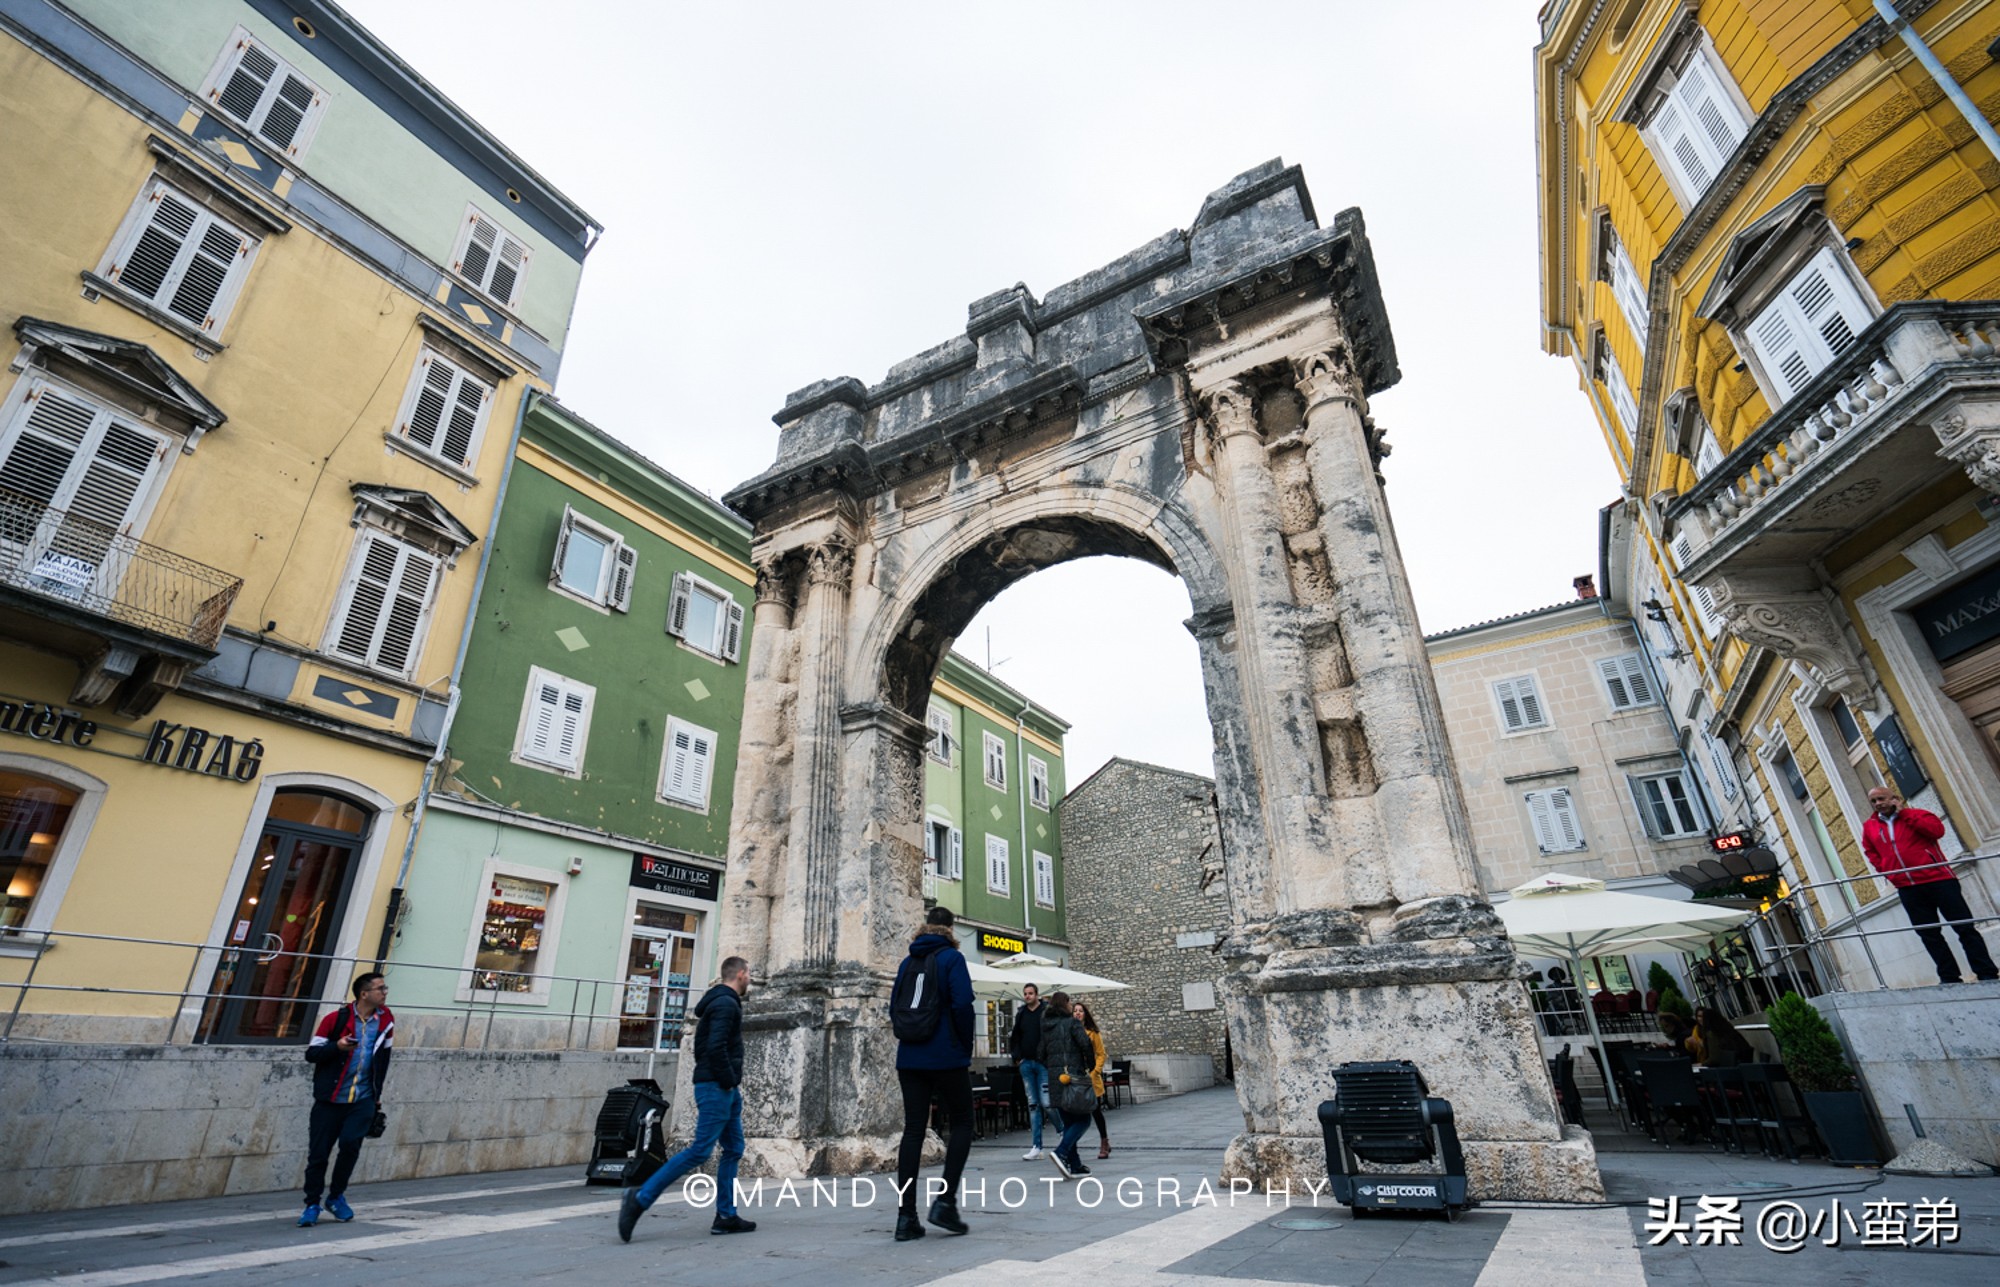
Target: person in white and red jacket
[
  {"x": 1902, "y": 843},
  {"x": 349, "y": 1052}
]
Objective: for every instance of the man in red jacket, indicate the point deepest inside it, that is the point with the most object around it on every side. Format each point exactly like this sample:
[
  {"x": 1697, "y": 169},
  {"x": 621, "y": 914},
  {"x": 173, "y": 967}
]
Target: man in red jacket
[{"x": 1902, "y": 844}]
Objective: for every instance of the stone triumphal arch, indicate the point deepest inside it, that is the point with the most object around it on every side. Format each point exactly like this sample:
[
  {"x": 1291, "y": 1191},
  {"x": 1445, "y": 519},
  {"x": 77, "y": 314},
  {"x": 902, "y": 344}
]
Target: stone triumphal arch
[{"x": 1201, "y": 404}]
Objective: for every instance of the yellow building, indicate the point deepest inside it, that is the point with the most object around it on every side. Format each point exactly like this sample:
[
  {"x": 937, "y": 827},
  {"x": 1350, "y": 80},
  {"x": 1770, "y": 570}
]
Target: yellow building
[
  {"x": 1771, "y": 246},
  {"x": 272, "y": 305}
]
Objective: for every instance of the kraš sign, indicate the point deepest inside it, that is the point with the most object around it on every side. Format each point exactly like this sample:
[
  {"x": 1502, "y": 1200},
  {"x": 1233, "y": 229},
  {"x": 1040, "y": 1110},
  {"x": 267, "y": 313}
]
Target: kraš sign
[{"x": 196, "y": 750}]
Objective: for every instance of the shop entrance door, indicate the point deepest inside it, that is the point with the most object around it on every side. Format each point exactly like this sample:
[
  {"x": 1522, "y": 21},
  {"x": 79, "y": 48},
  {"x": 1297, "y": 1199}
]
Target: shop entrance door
[
  {"x": 659, "y": 969},
  {"x": 268, "y": 985}
]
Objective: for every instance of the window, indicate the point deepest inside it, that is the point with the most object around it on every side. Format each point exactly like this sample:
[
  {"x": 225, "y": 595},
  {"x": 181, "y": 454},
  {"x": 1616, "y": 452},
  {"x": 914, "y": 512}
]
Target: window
[
  {"x": 175, "y": 254},
  {"x": 491, "y": 260},
  {"x": 705, "y": 617},
  {"x": 939, "y": 745},
  {"x": 1625, "y": 288},
  {"x": 593, "y": 563},
  {"x": 1626, "y": 680},
  {"x": 1704, "y": 599},
  {"x": 1038, "y": 783},
  {"x": 444, "y": 409},
  {"x": 1666, "y": 806},
  {"x": 516, "y": 922},
  {"x": 998, "y": 864},
  {"x": 1520, "y": 704},
  {"x": 689, "y": 763},
  {"x": 1809, "y": 322},
  {"x": 1707, "y": 453},
  {"x": 555, "y": 721},
  {"x": 64, "y": 452},
  {"x": 34, "y": 814},
  {"x": 996, "y": 760},
  {"x": 256, "y": 88},
  {"x": 1693, "y": 118},
  {"x": 1622, "y": 402},
  {"x": 1725, "y": 771},
  {"x": 385, "y": 604},
  {"x": 1045, "y": 879},
  {"x": 944, "y": 849},
  {"x": 1554, "y": 817}
]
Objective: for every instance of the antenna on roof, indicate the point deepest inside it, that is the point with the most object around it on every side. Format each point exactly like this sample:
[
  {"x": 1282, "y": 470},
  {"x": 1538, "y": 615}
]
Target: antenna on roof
[{"x": 992, "y": 665}]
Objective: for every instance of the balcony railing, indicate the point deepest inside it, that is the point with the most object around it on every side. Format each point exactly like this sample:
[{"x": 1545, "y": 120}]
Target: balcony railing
[
  {"x": 1894, "y": 361},
  {"x": 69, "y": 559}
]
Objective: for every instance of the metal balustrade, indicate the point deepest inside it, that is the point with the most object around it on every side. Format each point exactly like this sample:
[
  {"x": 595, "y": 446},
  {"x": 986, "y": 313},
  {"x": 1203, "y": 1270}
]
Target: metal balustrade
[{"x": 91, "y": 566}]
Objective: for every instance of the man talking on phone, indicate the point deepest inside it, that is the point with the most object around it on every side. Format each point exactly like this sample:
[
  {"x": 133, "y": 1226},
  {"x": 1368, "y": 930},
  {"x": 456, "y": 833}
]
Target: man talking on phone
[
  {"x": 349, "y": 1053},
  {"x": 1902, "y": 843}
]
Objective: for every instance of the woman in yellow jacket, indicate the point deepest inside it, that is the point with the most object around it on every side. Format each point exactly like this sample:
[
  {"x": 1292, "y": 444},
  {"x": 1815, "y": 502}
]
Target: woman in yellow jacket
[{"x": 1089, "y": 1022}]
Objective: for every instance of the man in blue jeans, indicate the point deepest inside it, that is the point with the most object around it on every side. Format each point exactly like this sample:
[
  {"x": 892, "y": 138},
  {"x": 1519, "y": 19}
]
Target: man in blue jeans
[
  {"x": 1025, "y": 1045},
  {"x": 718, "y": 1101}
]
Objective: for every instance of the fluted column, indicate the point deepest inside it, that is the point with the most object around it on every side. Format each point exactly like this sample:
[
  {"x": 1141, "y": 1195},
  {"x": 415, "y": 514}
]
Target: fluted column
[
  {"x": 821, "y": 628},
  {"x": 1426, "y": 842},
  {"x": 763, "y": 767},
  {"x": 1267, "y": 655}
]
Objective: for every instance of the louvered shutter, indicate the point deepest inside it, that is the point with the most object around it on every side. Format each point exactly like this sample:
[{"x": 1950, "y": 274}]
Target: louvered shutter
[
  {"x": 931, "y": 838},
  {"x": 1631, "y": 296},
  {"x": 402, "y": 630},
  {"x": 73, "y": 457},
  {"x": 1712, "y": 117},
  {"x": 957, "y": 871},
  {"x": 680, "y": 749},
  {"x": 1810, "y": 322},
  {"x": 732, "y": 630},
  {"x": 1626, "y": 680},
  {"x": 677, "y": 605},
  {"x": 690, "y": 759},
  {"x": 266, "y": 94},
  {"x": 510, "y": 266},
  {"x": 1045, "y": 879},
  {"x": 1621, "y": 392},
  {"x": 1540, "y": 814},
  {"x": 445, "y": 409},
  {"x": 998, "y": 873},
  {"x": 1563, "y": 814},
  {"x": 1520, "y": 704},
  {"x": 388, "y": 605},
  {"x": 1652, "y": 813},
  {"x": 1725, "y": 772},
  {"x": 367, "y": 598},
  {"x": 1707, "y": 454},
  {"x": 247, "y": 81},
  {"x": 544, "y": 712},
  {"x": 492, "y": 260},
  {"x": 625, "y": 567},
  {"x": 287, "y": 112},
  {"x": 562, "y": 546},
  {"x": 1683, "y": 153},
  {"x": 183, "y": 259},
  {"x": 477, "y": 256},
  {"x": 1704, "y": 601},
  {"x": 701, "y": 755}
]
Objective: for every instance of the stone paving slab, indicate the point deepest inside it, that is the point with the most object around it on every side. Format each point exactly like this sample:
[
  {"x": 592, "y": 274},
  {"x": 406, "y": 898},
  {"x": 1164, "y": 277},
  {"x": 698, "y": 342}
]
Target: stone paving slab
[{"x": 541, "y": 1226}]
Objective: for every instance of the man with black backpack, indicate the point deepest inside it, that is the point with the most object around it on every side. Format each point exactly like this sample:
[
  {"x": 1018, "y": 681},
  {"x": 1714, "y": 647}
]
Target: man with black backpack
[{"x": 930, "y": 1009}]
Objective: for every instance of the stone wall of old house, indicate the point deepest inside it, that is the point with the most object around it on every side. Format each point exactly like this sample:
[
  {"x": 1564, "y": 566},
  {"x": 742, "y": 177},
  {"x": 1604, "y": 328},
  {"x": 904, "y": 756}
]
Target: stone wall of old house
[{"x": 1148, "y": 905}]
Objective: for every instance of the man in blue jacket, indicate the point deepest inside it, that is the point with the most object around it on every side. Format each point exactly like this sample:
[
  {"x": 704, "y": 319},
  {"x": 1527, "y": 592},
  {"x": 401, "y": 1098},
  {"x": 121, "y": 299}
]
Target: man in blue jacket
[
  {"x": 938, "y": 1066},
  {"x": 718, "y": 1100}
]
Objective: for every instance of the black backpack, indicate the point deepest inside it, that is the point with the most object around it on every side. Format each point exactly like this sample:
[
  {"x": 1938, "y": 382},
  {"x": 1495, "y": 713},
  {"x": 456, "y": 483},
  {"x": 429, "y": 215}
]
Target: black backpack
[{"x": 916, "y": 1005}]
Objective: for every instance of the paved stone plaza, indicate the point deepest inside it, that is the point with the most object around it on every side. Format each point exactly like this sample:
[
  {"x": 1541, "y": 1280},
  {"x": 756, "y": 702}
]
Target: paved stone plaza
[{"x": 529, "y": 1226}]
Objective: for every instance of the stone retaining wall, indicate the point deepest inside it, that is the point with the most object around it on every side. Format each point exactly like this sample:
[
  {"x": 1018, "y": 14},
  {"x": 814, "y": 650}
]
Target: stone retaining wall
[
  {"x": 1936, "y": 1049},
  {"x": 87, "y": 1126}
]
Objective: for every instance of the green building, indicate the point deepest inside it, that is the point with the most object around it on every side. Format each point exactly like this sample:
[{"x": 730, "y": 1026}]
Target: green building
[
  {"x": 570, "y": 862},
  {"x": 992, "y": 848}
]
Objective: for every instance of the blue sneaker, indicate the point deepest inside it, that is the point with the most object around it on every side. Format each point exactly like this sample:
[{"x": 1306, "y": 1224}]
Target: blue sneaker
[
  {"x": 310, "y": 1216},
  {"x": 336, "y": 1206}
]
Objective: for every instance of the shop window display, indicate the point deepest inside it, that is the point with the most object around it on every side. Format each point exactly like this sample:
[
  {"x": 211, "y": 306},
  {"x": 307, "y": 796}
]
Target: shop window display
[
  {"x": 510, "y": 939},
  {"x": 33, "y": 814}
]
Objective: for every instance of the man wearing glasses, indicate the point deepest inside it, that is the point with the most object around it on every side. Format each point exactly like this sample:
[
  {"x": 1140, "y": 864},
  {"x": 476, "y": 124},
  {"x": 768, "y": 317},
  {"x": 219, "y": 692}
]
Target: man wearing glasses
[{"x": 350, "y": 1057}]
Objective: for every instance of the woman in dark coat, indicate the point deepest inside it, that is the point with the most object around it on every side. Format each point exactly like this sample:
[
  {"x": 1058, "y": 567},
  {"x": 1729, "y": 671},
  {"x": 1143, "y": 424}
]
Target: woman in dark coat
[{"x": 1068, "y": 1055}]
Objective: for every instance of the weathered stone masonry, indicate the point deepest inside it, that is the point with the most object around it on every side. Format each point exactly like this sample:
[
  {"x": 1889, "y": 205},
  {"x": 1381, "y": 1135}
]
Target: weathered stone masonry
[
  {"x": 1200, "y": 404},
  {"x": 1144, "y": 858}
]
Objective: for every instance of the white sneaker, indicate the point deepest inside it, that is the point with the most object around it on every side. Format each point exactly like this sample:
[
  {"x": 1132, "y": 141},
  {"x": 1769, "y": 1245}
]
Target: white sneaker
[{"x": 1031, "y": 1155}]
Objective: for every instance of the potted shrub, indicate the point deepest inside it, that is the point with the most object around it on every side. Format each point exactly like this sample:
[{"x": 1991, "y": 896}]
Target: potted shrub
[{"x": 1818, "y": 1068}]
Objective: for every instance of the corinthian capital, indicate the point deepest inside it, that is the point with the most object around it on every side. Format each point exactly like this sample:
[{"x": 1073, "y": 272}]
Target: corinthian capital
[
  {"x": 830, "y": 562},
  {"x": 1230, "y": 410},
  {"x": 1798, "y": 625},
  {"x": 776, "y": 580},
  {"x": 1329, "y": 374}
]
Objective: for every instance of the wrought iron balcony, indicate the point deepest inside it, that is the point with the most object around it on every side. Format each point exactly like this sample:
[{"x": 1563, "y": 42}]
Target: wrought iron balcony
[{"x": 136, "y": 617}]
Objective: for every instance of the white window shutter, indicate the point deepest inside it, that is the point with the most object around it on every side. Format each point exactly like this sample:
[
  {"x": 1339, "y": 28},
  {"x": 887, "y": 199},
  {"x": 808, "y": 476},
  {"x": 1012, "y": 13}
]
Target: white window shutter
[
  {"x": 562, "y": 544},
  {"x": 241, "y": 88},
  {"x": 998, "y": 865},
  {"x": 475, "y": 260},
  {"x": 690, "y": 763},
  {"x": 1645, "y": 800},
  {"x": 1520, "y": 703},
  {"x": 1542, "y": 817},
  {"x": 1631, "y": 296},
  {"x": 1563, "y": 813},
  {"x": 677, "y": 605},
  {"x": 701, "y": 763},
  {"x": 1622, "y": 400},
  {"x": 183, "y": 259},
  {"x": 1711, "y": 116},
  {"x": 732, "y": 630},
  {"x": 387, "y": 605},
  {"x": 545, "y": 712},
  {"x": 409, "y": 609},
  {"x": 268, "y": 95},
  {"x": 367, "y": 597},
  {"x": 1708, "y": 454},
  {"x": 1828, "y": 302},
  {"x": 931, "y": 843},
  {"x": 957, "y": 871},
  {"x": 627, "y": 566},
  {"x": 1626, "y": 680},
  {"x": 1704, "y": 600},
  {"x": 1681, "y": 151},
  {"x": 1725, "y": 772},
  {"x": 510, "y": 267},
  {"x": 1045, "y": 879},
  {"x": 1614, "y": 682}
]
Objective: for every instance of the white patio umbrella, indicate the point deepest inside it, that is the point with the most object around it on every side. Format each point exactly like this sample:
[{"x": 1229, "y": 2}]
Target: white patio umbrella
[
  {"x": 1576, "y": 916},
  {"x": 1026, "y": 967}
]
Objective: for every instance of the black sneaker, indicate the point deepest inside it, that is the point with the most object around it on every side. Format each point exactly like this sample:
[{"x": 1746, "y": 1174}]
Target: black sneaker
[
  {"x": 629, "y": 1212},
  {"x": 732, "y": 1224},
  {"x": 908, "y": 1227},
  {"x": 944, "y": 1214}
]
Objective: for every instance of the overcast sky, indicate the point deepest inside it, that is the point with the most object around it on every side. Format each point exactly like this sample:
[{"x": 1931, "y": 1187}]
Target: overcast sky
[{"x": 797, "y": 191}]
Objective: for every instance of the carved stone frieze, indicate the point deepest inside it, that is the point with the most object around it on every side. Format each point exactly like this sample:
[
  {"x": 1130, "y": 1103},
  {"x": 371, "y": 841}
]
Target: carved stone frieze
[
  {"x": 1973, "y": 444},
  {"x": 1799, "y": 624}
]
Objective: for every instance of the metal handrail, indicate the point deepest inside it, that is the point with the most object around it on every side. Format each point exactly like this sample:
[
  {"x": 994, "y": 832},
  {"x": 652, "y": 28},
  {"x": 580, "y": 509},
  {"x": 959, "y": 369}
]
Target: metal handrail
[
  {"x": 484, "y": 1001},
  {"x": 72, "y": 559}
]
